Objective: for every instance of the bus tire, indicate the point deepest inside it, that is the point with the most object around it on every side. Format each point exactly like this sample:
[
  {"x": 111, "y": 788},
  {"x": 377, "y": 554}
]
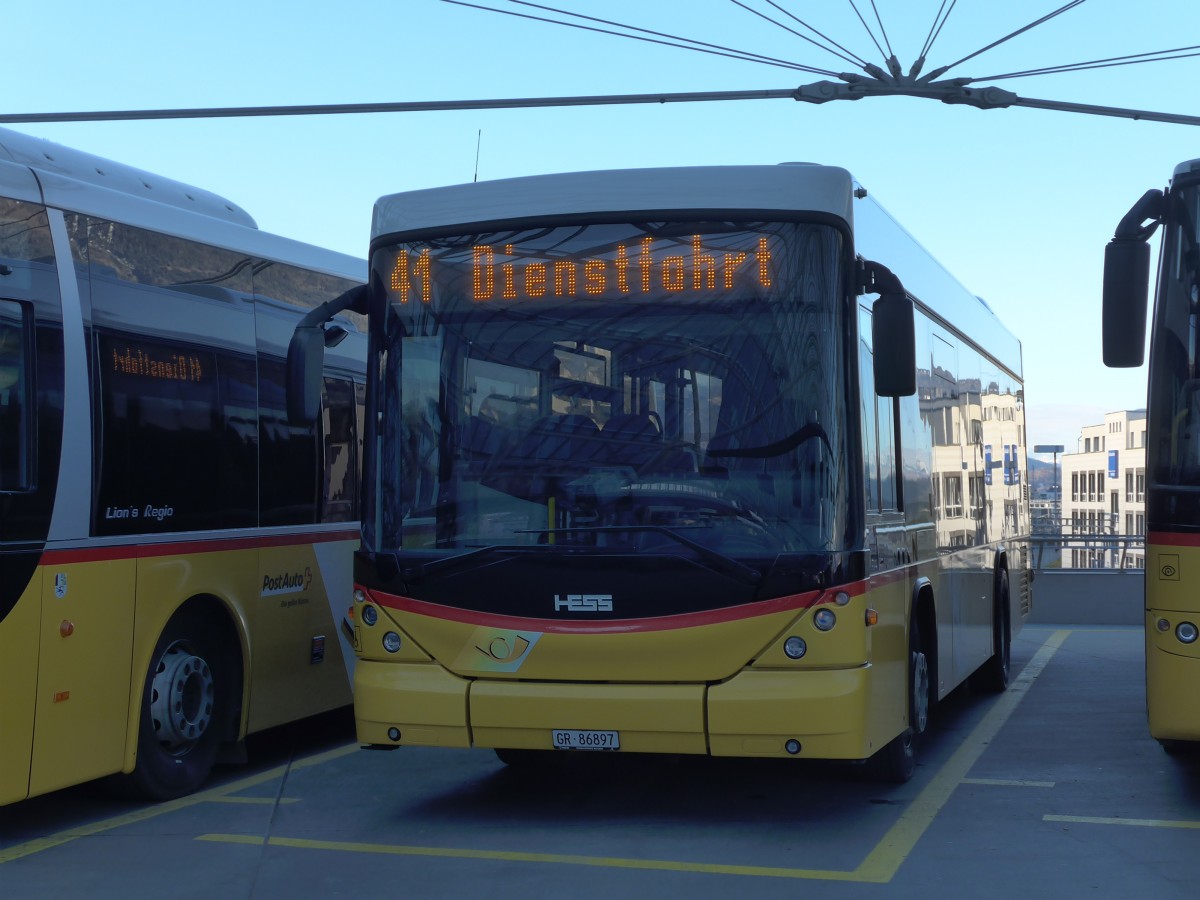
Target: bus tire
[
  {"x": 897, "y": 761},
  {"x": 992, "y": 677},
  {"x": 184, "y": 712}
]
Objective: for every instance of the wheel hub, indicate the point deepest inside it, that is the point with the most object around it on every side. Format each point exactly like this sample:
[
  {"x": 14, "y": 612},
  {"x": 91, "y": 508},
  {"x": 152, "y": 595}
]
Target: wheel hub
[{"x": 181, "y": 699}]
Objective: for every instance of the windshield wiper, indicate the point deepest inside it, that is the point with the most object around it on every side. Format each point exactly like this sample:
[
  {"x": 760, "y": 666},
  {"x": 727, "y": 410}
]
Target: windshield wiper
[
  {"x": 726, "y": 565},
  {"x": 778, "y": 448}
]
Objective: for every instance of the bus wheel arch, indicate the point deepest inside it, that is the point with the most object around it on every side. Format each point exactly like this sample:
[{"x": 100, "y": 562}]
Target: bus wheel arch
[
  {"x": 190, "y": 702},
  {"x": 896, "y": 761}
]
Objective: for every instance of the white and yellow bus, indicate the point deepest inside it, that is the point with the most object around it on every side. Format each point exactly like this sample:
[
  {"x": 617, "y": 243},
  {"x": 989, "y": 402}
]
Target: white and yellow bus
[
  {"x": 175, "y": 556},
  {"x": 646, "y": 471}
]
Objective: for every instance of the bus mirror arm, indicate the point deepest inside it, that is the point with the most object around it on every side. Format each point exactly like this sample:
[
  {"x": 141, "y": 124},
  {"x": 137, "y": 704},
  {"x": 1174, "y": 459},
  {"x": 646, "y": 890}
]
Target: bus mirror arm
[
  {"x": 306, "y": 354},
  {"x": 893, "y": 331},
  {"x": 1127, "y": 282}
]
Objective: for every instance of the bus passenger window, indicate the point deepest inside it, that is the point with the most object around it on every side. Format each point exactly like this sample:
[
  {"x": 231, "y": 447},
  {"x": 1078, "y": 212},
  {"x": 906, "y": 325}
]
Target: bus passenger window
[{"x": 16, "y": 406}]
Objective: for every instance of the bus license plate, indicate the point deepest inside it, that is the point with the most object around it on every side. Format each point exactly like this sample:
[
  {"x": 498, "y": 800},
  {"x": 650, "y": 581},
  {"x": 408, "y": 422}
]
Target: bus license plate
[{"x": 574, "y": 739}]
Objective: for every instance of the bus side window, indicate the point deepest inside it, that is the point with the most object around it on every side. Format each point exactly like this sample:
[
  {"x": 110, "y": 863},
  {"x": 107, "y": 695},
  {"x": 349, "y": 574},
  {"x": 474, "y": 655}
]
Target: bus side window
[
  {"x": 16, "y": 406},
  {"x": 287, "y": 455}
]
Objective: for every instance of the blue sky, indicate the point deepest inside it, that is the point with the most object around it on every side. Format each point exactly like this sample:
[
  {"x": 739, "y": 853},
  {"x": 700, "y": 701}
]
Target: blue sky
[{"x": 1017, "y": 203}]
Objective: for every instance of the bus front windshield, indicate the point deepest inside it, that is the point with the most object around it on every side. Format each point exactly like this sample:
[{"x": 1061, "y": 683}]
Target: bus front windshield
[
  {"x": 1173, "y": 428},
  {"x": 668, "y": 388}
]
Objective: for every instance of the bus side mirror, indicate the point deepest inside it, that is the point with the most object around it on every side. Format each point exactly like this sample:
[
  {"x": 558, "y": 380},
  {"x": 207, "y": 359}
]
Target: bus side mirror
[
  {"x": 1126, "y": 283},
  {"x": 306, "y": 354},
  {"x": 893, "y": 339},
  {"x": 305, "y": 368}
]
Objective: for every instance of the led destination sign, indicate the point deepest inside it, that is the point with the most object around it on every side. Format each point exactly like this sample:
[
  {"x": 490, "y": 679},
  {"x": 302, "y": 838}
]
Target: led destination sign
[
  {"x": 159, "y": 365},
  {"x": 645, "y": 266}
]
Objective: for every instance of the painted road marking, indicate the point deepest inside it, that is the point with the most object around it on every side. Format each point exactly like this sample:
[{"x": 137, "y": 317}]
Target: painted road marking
[
  {"x": 1006, "y": 782},
  {"x": 1139, "y": 823},
  {"x": 879, "y": 867},
  {"x": 220, "y": 794}
]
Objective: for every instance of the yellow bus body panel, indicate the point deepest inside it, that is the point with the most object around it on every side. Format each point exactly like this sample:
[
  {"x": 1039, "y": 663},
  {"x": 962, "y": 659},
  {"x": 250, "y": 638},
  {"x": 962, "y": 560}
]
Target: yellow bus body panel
[
  {"x": 1172, "y": 667},
  {"x": 757, "y": 712},
  {"x": 725, "y": 689},
  {"x": 18, "y": 686},
  {"x": 699, "y": 653},
  {"x": 287, "y": 684},
  {"x": 83, "y": 690},
  {"x": 425, "y": 702}
]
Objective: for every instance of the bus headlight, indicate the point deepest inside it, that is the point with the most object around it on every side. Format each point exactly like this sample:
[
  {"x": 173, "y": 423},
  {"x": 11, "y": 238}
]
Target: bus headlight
[
  {"x": 824, "y": 619},
  {"x": 1186, "y": 632},
  {"x": 795, "y": 648},
  {"x": 370, "y": 615},
  {"x": 391, "y": 642}
]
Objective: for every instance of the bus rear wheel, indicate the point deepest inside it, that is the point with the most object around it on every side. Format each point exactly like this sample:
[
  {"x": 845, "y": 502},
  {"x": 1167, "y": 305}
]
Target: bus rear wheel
[
  {"x": 992, "y": 677},
  {"x": 185, "y": 706}
]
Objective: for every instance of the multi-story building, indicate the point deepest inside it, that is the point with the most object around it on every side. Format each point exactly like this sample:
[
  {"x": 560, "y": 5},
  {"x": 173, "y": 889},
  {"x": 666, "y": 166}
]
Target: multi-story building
[{"x": 1104, "y": 494}]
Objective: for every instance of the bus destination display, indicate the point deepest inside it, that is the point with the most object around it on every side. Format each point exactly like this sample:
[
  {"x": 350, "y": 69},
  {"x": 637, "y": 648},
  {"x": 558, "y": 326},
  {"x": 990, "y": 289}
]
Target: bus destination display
[{"x": 646, "y": 266}]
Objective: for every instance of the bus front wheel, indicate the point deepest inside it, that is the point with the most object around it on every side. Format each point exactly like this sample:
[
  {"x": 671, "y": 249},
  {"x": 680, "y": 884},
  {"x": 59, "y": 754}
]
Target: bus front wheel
[
  {"x": 185, "y": 707},
  {"x": 897, "y": 761}
]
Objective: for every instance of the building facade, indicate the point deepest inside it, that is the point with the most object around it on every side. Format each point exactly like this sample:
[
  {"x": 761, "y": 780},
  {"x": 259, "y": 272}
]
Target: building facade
[{"x": 1104, "y": 494}]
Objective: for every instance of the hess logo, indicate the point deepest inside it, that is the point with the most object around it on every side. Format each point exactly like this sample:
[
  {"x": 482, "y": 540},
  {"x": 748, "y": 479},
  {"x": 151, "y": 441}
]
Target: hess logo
[{"x": 583, "y": 602}]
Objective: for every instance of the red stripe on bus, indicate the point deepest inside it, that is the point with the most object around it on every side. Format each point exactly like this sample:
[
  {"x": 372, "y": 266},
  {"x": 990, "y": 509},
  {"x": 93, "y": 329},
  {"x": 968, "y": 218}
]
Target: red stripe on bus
[
  {"x": 112, "y": 553},
  {"x": 1173, "y": 539},
  {"x": 790, "y": 603}
]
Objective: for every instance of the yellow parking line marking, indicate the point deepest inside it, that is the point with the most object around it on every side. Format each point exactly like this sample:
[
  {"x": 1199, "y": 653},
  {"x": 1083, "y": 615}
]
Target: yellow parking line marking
[
  {"x": 1139, "y": 823},
  {"x": 662, "y": 865},
  {"x": 19, "y": 851},
  {"x": 879, "y": 867},
  {"x": 889, "y": 854},
  {"x": 1005, "y": 782}
]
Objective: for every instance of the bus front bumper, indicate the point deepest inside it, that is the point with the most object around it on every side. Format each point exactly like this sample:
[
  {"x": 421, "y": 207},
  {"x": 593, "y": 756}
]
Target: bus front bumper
[{"x": 758, "y": 713}]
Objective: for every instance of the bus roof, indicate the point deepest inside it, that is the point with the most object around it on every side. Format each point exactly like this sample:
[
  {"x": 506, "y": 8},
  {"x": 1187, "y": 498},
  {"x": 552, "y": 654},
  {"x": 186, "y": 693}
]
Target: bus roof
[
  {"x": 822, "y": 189},
  {"x": 1187, "y": 168},
  {"x": 72, "y": 180}
]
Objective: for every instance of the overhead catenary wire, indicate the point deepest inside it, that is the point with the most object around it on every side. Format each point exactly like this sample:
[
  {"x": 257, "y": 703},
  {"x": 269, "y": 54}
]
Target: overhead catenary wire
[
  {"x": 661, "y": 38},
  {"x": 935, "y": 29},
  {"x": 850, "y": 54},
  {"x": 882, "y": 30},
  {"x": 1130, "y": 60},
  {"x": 1008, "y": 37},
  {"x": 852, "y": 59},
  {"x": 870, "y": 33},
  {"x": 952, "y": 91}
]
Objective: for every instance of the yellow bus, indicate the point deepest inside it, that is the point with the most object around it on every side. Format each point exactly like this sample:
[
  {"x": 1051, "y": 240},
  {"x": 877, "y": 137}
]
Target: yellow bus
[
  {"x": 173, "y": 551},
  {"x": 1172, "y": 477},
  {"x": 647, "y": 472}
]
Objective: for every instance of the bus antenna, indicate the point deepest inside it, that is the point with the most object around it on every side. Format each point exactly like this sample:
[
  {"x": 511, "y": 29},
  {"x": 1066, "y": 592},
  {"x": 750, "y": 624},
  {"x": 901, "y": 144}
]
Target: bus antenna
[{"x": 478, "y": 141}]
